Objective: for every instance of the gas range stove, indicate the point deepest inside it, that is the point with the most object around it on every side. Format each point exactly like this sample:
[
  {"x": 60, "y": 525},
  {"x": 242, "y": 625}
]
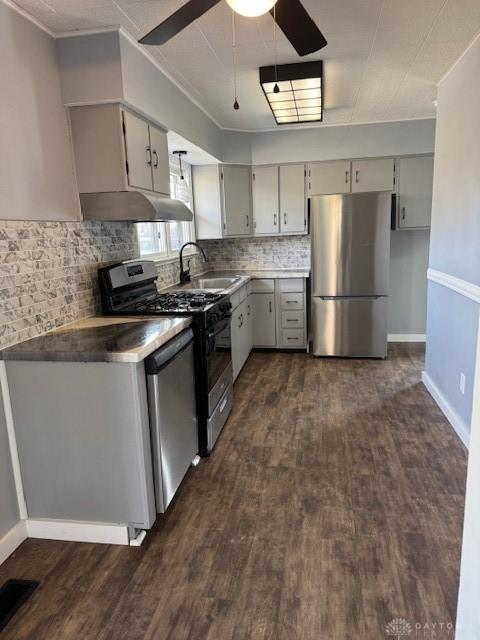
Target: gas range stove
[
  {"x": 180, "y": 302},
  {"x": 129, "y": 288}
]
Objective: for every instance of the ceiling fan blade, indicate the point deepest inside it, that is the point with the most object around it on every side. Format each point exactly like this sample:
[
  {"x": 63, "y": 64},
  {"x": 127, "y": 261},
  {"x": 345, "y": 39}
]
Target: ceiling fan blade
[
  {"x": 184, "y": 16},
  {"x": 298, "y": 26}
]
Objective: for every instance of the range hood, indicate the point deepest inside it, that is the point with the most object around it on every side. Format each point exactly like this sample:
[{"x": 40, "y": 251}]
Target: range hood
[{"x": 133, "y": 206}]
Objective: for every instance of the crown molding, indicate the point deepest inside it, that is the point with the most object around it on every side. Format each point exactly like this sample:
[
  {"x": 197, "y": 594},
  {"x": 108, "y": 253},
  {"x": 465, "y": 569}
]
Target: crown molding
[{"x": 297, "y": 127}]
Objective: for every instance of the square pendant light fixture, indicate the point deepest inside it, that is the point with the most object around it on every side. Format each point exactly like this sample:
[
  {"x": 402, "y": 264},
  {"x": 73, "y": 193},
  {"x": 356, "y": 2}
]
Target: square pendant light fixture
[{"x": 299, "y": 98}]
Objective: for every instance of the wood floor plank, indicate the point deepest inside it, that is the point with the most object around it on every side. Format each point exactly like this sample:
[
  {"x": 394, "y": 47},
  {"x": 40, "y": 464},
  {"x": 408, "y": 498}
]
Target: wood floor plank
[{"x": 332, "y": 504}]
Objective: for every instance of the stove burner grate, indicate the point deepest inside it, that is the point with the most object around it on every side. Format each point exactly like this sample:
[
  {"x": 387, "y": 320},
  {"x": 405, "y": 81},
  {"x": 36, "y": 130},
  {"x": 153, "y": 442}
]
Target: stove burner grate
[{"x": 180, "y": 300}]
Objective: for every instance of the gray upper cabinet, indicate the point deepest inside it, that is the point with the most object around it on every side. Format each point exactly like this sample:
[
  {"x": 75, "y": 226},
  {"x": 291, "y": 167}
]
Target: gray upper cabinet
[
  {"x": 160, "y": 163},
  {"x": 279, "y": 202},
  {"x": 115, "y": 150},
  {"x": 223, "y": 201},
  {"x": 345, "y": 176},
  {"x": 292, "y": 198},
  {"x": 265, "y": 200},
  {"x": 237, "y": 200},
  {"x": 138, "y": 152},
  {"x": 415, "y": 179},
  {"x": 325, "y": 178},
  {"x": 373, "y": 175}
]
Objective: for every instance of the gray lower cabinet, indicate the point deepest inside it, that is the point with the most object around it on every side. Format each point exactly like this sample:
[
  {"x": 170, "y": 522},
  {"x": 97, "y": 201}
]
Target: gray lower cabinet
[
  {"x": 83, "y": 440},
  {"x": 241, "y": 330},
  {"x": 267, "y": 313},
  {"x": 264, "y": 330}
]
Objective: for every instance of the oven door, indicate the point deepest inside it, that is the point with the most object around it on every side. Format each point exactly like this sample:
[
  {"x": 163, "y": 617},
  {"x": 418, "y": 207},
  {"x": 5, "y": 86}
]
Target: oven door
[{"x": 219, "y": 361}]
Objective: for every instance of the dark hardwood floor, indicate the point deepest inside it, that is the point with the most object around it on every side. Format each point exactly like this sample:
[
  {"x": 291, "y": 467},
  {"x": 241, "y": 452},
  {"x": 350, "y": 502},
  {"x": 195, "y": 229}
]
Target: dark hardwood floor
[{"x": 332, "y": 504}]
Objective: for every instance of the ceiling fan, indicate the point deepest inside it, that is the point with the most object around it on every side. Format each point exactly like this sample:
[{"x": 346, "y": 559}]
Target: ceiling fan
[{"x": 290, "y": 15}]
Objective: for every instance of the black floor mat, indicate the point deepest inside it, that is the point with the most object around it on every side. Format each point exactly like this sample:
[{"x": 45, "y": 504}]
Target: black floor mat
[{"x": 12, "y": 595}]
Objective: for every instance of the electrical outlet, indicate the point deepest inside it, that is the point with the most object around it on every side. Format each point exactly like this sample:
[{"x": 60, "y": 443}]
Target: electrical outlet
[{"x": 462, "y": 383}]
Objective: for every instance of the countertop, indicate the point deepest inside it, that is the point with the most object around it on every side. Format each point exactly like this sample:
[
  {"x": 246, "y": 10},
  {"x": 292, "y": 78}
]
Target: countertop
[
  {"x": 101, "y": 339},
  {"x": 244, "y": 276},
  {"x": 129, "y": 338}
]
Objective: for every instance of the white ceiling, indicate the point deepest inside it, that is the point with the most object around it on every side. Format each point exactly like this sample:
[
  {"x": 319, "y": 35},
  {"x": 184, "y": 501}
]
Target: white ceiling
[{"x": 382, "y": 62}]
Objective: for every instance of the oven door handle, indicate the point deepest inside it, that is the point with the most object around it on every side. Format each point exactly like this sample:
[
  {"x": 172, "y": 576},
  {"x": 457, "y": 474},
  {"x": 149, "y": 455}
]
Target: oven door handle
[{"x": 218, "y": 329}]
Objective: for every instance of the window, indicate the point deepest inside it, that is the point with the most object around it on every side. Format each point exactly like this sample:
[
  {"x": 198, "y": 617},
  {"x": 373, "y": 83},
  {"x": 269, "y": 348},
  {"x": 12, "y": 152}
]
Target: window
[{"x": 162, "y": 240}]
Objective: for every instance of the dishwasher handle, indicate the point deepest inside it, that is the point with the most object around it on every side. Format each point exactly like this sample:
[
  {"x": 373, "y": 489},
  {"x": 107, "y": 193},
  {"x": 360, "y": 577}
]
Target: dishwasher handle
[{"x": 159, "y": 358}]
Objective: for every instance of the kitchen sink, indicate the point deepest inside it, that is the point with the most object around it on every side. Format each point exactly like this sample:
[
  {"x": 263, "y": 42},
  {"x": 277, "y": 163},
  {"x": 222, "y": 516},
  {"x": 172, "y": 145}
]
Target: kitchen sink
[{"x": 215, "y": 283}]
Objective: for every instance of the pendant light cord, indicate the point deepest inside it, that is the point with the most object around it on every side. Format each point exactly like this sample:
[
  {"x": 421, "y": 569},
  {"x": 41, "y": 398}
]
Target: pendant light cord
[
  {"x": 275, "y": 88},
  {"x": 236, "y": 106}
]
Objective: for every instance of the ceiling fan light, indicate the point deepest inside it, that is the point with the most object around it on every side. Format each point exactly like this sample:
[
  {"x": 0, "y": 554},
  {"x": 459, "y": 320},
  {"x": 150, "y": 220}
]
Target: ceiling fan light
[{"x": 251, "y": 8}]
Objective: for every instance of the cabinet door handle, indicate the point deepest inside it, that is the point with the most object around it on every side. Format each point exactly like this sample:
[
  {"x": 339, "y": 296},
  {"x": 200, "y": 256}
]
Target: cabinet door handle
[
  {"x": 248, "y": 220},
  {"x": 403, "y": 213},
  {"x": 155, "y": 158},
  {"x": 356, "y": 176},
  {"x": 292, "y": 320},
  {"x": 249, "y": 310},
  {"x": 346, "y": 176},
  {"x": 291, "y": 301},
  {"x": 270, "y": 306},
  {"x": 148, "y": 153},
  {"x": 284, "y": 218},
  {"x": 274, "y": 219},
  {"x": 240, "y": 321}
]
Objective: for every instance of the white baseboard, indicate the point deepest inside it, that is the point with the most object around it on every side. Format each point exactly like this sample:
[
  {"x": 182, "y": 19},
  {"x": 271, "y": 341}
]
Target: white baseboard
[
  {"x": 460, "y": 427},
  {"x": 407, "y": 337},
  {"x": 78, "y": 531},
  {"x": 12, "y": 539}
]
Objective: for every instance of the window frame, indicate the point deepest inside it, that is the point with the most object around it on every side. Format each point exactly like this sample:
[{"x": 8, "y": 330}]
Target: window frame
[{"x": 170, "y": 255}]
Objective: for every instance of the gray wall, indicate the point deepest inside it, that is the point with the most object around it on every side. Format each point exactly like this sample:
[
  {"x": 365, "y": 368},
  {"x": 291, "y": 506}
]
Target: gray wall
[
  {"x": 358, "y": 141},
  {"x": 408, "y": 282},
  {"x": 455, "y": 234},
  {"x": 107, "y": 66},
  {"x": 36, "y": 167},
  {"x": 8, "y": 499},
  {"x": 453, "y": 319}
]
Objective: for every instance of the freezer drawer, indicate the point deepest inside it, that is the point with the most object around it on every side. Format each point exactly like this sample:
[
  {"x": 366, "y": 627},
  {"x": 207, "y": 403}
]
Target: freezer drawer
[
  {"x": 350, "y": 327},
  {"x": 219, "y": 417}
]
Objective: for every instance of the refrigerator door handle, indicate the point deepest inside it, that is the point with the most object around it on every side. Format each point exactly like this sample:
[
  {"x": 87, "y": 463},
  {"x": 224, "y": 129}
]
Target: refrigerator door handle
[{"x": 376, "y": 297}]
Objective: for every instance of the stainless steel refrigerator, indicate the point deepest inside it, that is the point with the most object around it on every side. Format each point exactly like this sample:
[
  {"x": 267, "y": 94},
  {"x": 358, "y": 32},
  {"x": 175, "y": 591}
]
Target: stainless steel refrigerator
[{"x": 350, "y": 274}]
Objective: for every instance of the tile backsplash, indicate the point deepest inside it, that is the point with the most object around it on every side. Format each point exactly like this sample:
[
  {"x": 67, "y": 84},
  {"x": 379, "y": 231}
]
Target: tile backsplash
[
  {"x": 48, "y": 270},
  {"x": 288, "y": 252}
]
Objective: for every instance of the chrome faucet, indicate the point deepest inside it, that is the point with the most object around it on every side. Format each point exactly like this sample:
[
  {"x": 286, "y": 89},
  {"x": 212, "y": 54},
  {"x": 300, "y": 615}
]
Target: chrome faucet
[{"x": 185, "y": 273}]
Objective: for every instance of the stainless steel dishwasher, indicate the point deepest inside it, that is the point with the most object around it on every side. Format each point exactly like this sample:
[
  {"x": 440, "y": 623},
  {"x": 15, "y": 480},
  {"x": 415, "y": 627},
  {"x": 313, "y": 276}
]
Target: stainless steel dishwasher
[{"x": 173, "y": 417}]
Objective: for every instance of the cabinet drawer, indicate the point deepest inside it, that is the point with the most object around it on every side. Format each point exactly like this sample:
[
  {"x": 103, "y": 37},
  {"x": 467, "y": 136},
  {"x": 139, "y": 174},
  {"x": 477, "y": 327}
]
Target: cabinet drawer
[
  {"x": 291, "y": 301},
  {"x": 293, "y": 338},
  {"x": 263, "y": 285},
  {"x": 290, "y": 285},
  {"x": 292, "y": 320}
]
